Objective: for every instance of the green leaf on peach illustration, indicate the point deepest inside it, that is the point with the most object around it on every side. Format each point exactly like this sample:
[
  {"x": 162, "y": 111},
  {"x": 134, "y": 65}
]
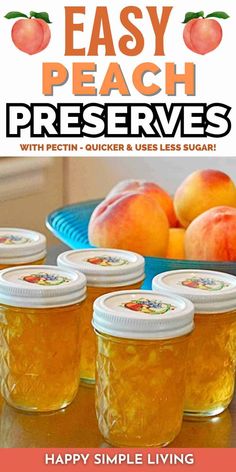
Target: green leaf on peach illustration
[
  {"x": 200, "y": 14},
  {"x": 191, "y": 16},
  {"x": 218, "y": 14},
  {"x": 41, "y": 15},
  {"x": 15, "y": 14}
]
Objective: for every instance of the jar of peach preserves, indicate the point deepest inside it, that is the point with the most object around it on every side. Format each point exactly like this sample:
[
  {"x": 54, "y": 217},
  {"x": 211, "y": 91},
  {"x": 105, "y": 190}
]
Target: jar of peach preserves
[
  {"x": 211, "y": 362},
  {"x": 20, "y": 247},
  {"x": 106, "y": 270},
  {"x": 40, "y": 336},
  {"x": 142, "y": 341}
]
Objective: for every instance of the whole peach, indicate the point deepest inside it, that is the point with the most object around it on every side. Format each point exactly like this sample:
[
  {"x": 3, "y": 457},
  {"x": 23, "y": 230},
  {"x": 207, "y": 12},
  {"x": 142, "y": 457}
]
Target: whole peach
[
  {"x": 201, "y": 190},
  {"x": 212, "y": 236},
  {"x": 130, "y": 221},
  {"x": 202, "y": 35},
  {"x": 150, "y": 188},
  {"x": 31, "y": 35},
  {"x": 175, "y": 249}
]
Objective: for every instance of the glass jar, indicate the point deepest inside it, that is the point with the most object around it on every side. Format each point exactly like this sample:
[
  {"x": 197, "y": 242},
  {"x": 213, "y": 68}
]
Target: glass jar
[
  {"x": 39, "y": 336},
  {"x": 21, "y": 247},
  {"x": 140, "y": 380},
  {"x": 211, "y": 362},
  {"x": 106, "y": 270}
]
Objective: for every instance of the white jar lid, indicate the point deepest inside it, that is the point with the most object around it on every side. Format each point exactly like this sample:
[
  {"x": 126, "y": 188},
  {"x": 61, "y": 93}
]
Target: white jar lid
[
  {"x": 21, "y": 246},
  {"x": 143, "y": 314},
  {"x": 105, "y": 267},
  {"x": 210, "y": 291},
  {"x": 41, "y": 287}
]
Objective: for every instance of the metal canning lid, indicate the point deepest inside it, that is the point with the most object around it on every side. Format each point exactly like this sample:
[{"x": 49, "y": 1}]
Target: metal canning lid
[
  {"x": 21, "y": 246},
  {"x": 41, "y": 287},
  {"x": 105, "y": 267},
  {"x": 143, "y": 314},
  {"x": 210, "y": 291}
]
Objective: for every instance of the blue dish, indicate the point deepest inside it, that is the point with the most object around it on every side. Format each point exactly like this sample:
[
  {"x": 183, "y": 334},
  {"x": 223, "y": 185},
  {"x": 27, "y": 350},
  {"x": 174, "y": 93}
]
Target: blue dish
[{"x": 70, "y": 225}]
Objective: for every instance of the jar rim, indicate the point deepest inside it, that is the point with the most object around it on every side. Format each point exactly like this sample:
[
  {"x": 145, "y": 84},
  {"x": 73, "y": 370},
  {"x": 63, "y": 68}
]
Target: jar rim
[
  {"x": 18, "y": 246},
  {"x": 123, "y": 339},
  {"x": 41, "y": 286},
  {"x": 143, "y": 314},
  {"x": 211, "y": 292},
  {"x": 105, "y": 266}
]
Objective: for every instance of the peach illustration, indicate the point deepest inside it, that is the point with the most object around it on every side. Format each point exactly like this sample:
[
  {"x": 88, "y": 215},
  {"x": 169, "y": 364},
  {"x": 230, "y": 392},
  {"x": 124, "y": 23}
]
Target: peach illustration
[
  {"x": 161, "y": 197},
  {"x": 212, "y": 235},
  {"x": 33, "y": 279},
  {"x": 202, "y": 190},
  {"x": 30, "y": 34},
  {"x": 203, "y": 34},
  {"x": 130, "y": 221},
  {"x": 175, "y": 249},
  {"x": 133, "y": 306}
]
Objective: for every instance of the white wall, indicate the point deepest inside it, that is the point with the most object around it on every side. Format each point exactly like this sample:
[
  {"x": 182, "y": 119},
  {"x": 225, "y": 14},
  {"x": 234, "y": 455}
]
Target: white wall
[
  {"x": 30, "y": 188},
  {"x": 90, "y": 178}
]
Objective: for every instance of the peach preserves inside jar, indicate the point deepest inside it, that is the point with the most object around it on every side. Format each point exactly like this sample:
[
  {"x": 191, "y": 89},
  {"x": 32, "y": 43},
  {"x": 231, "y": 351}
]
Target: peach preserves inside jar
[
  {"x": 141, "y": 363},
  {"x": 40, "y": 336},
  {"x": 40, "y": 356},
  {"x": 212, "y": 352},
  {"x": 211, "y": 364}
]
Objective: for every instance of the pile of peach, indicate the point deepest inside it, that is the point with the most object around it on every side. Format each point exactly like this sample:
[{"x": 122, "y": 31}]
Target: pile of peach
[{"x": 199, "y": 223}]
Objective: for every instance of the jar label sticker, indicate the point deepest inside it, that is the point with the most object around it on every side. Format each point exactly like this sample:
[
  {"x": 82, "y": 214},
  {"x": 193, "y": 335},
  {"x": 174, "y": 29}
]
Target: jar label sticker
[
  {"x": 12, "y": 239},
  {"x": 204, "y": 283},
  {"x": 150, "y": 307},
  {"x": 44, "y": 278},
  {"x": 107, "y": 261}
]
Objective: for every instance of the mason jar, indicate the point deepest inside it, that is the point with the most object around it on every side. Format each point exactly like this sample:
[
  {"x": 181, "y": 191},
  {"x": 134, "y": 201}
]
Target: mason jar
[
  {"x": 106, "y": 270},
  {"x": 212, "y": 352},
  {"x": 142, "y": 340},
  {"x": 40, "y": 311},
  {"x": 21, "y": 247}
]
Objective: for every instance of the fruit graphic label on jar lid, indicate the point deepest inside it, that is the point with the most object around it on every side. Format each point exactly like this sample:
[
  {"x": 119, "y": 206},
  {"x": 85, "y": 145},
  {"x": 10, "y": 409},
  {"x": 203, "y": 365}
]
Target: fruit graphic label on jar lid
[
  {"x": 20, "y": 246},
  {"x": 45, "y": 278},
  {"x": 13, "y": 239},
  {"x": 107, "y": 261},
  {"x": 151, "y": 307},
  {"x": 210, "y": 291},
  {"x": 105, "y": 267},
  {"x": 204, "y": 283},
  {"x": 143, "y": 314},
  {"x": 41, "y": 286}
]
